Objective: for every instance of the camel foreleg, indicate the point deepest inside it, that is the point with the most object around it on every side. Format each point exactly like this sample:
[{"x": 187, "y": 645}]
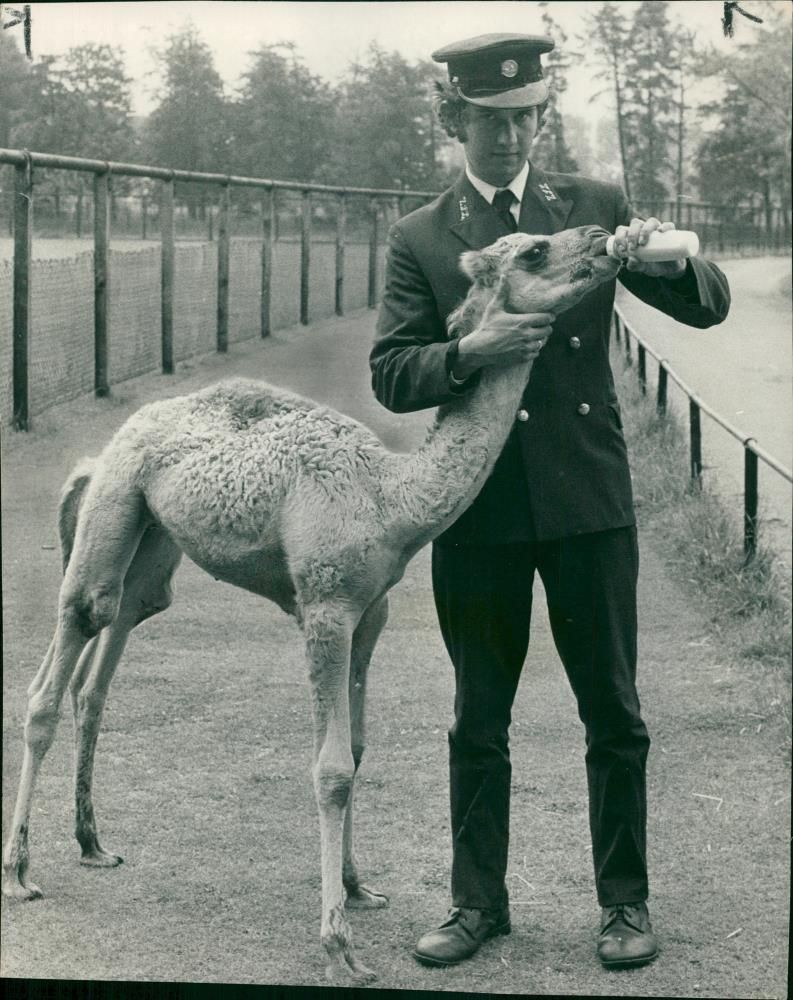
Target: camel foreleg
[
  {"x": 364, "y": 639},
  {"x": 328, "y": 629}
]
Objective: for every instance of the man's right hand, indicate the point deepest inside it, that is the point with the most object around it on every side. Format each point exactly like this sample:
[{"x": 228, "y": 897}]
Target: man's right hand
[{"x": 503, "y": 338}]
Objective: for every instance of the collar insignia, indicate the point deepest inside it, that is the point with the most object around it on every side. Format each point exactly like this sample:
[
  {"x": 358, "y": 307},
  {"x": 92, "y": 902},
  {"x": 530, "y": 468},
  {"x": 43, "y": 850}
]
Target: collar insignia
[
  {"x": 463, "y": 205},
  {"x": 546, "y": 190}
]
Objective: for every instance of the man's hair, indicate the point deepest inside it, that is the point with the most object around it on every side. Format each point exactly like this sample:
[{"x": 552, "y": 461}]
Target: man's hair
[{"x": 450, "y": 110}]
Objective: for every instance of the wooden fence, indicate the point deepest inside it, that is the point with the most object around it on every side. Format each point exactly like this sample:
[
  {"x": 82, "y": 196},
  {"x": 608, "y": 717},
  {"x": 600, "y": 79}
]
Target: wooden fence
[{"x": 24, "y": 162}]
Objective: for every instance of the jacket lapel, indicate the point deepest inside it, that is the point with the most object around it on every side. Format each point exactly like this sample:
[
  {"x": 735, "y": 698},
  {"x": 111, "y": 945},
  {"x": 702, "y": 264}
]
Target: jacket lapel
[
  {"x": 475, "y": 222},
  {"x": 542, "y": 210}
]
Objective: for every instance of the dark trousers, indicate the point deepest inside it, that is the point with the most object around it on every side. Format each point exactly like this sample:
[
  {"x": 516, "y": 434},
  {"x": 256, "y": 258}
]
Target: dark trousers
[{"x": 483, "y": 596}]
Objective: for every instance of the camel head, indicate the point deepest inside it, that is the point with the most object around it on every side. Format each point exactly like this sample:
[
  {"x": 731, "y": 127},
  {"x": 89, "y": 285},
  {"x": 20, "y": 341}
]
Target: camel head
[{"x": 537, "y": 273}]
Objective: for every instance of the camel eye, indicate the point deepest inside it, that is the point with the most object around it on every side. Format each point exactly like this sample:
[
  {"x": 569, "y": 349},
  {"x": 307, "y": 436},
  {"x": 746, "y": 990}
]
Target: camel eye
[{"x": 533, "y": 258}]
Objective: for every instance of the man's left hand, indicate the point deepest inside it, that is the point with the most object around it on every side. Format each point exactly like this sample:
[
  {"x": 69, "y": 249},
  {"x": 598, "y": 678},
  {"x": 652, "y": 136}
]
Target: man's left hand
[{"x": 628, "y": 238}]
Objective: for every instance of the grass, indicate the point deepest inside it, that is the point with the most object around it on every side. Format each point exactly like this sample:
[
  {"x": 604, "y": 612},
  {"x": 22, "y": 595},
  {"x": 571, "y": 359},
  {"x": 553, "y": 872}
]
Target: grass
[{"x": 748, "y": 603}]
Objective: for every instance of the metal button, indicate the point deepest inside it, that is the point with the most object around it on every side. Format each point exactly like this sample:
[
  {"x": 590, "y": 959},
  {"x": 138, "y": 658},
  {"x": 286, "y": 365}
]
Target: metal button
[
  {"x": 583, "y": 409},
  {"x": 575, "y": 343},
  {"x": 523, "y": 415}
]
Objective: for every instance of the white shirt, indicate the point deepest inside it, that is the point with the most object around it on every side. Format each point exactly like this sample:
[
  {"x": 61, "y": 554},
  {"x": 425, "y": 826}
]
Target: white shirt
[{"x": 517, "y": 186}]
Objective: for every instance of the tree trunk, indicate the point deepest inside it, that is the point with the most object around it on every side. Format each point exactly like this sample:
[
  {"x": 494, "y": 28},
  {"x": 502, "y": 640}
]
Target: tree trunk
[
  {"x": 680, "y": 139},
  {"x": 620, "y": 127}
]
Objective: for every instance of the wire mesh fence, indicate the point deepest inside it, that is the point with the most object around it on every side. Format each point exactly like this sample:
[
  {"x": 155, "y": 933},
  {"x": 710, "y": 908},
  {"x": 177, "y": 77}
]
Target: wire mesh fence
[{"x": 98, "y": 285}]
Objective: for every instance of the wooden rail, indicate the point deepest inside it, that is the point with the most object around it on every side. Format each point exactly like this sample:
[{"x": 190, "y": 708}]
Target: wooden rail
[{"x": 25, "y": 163}]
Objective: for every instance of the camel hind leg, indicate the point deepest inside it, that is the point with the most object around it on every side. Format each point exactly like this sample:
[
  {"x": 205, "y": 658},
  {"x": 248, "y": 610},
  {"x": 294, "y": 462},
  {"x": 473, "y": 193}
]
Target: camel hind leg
[
  {"x": 147, "y": 591},
  {"x": 107, "y": 536}
]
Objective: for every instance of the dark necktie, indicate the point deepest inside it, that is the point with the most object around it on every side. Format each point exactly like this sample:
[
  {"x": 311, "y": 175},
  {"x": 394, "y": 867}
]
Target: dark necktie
[{"x": 502, "y": 200}]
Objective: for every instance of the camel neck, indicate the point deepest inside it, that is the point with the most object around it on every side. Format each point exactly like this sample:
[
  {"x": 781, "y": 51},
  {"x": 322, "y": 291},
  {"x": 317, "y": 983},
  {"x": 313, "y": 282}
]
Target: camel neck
[{"x": 440, "y": 480}]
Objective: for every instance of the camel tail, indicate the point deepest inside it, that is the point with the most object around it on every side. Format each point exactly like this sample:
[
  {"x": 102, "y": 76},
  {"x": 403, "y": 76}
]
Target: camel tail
[{"x": 69, "y": 507}]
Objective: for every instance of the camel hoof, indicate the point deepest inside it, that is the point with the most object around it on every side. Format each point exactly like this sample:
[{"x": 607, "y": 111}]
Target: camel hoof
[
  {"x": 100, "y": 859},
  {"x": 361, "y": 975},
  {"x": 364, "y": 898},
  {"x": 344, "y": 971},
  {"x": 13, "y": 888}
]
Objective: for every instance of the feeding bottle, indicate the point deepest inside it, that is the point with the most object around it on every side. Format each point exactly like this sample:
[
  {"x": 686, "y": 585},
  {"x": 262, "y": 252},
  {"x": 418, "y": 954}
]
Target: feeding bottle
[{"x": 672, "y": 244}]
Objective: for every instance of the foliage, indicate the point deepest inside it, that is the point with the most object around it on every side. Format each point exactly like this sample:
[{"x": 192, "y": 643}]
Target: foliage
[
  {"x": 606, "y": 36},
  {"x": 16, "y": 86},
  {"x": 649, "y": 111},
  {"x": 385, "y": 132},
  {"x": 551, "y": 149},
  {"x": 749, "y": 149},
  {"x": 77, "y": 105},
  {"x": 283, "y": 118},
  {"x": 189, "y": 129}
]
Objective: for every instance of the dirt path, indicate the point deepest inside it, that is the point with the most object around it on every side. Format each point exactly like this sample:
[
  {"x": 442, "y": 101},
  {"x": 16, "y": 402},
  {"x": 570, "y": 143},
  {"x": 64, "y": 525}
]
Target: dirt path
[{"x": 203, "y": 775}]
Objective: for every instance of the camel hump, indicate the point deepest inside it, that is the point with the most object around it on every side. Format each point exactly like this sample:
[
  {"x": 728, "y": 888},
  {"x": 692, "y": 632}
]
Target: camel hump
[
  {"x": 248, "y": 401},
  {"x": 69, "y": 507}
]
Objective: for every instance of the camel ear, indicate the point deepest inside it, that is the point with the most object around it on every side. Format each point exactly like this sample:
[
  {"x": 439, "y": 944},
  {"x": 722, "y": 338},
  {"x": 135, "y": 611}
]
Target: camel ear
[{"x": 480, "y": 266}]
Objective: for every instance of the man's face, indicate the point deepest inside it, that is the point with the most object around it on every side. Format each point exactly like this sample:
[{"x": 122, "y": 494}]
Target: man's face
[{"x": 498, "y": 141}]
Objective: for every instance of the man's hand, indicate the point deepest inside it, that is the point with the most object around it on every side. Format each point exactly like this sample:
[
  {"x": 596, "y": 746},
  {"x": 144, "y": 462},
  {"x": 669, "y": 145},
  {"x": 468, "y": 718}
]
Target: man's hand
[
  {"x": 628, "y": 238},
  {"x": 502, "y": 338}
]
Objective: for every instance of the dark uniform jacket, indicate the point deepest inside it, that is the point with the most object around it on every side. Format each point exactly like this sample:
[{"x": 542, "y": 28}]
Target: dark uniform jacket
[{"x": 564, "y": 470}]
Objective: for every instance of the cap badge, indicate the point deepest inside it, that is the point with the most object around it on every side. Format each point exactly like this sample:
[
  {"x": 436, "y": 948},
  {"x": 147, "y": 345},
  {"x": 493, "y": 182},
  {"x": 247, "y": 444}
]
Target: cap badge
[{"x": 509, "y": 68}]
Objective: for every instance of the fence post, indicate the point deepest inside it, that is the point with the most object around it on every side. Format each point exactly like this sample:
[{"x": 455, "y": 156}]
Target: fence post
[
  {"x": 373, "y": 241},
  {"x": 223, "y": 269},
  {"x": 305, "y": 254},
  {"x": 749, "y": 500},
  {"x": 341, "y": 230},
  {"x": 167, "y": 255},
  {"x": 642, "y": 368},
  {"x": 23, "y": 230},
  {"x": 660, "y": 404},
  {"x": 101, "y": 280},
  {"x": 268, "y": 225},
  {"x": 695, "y": 434}
]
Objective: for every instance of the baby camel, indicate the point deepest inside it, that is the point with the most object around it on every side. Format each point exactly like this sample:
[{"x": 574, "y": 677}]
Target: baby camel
[{"x": 294, "y": 502}]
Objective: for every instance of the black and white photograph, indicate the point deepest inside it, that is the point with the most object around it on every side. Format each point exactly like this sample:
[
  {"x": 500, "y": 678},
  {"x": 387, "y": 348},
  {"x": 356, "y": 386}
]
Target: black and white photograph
[{"x": 396, "y": 431}]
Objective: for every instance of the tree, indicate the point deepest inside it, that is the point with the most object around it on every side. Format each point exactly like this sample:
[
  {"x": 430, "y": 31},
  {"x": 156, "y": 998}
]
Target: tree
[
  {"x": 385, "y": 131},
  {"x": 650, "y": 106},
  {"x": 17, "y": 86},
  {"x": 190, "y": 128},
  {"x": 551, "y": 149},
  {"x": 283, "y": 119},
  {"x": 79, "y": 105},
  {"x": 748, "y": 150},
  {"x": 607, "y": 37}
]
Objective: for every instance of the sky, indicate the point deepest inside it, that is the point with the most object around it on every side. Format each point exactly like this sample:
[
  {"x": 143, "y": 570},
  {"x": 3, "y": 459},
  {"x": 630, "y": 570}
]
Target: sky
[{"x": 328, "y": 35}]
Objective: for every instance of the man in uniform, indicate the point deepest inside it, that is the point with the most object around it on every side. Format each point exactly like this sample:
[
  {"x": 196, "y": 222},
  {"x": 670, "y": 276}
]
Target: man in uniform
[{"x": 559, "y": 498}]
